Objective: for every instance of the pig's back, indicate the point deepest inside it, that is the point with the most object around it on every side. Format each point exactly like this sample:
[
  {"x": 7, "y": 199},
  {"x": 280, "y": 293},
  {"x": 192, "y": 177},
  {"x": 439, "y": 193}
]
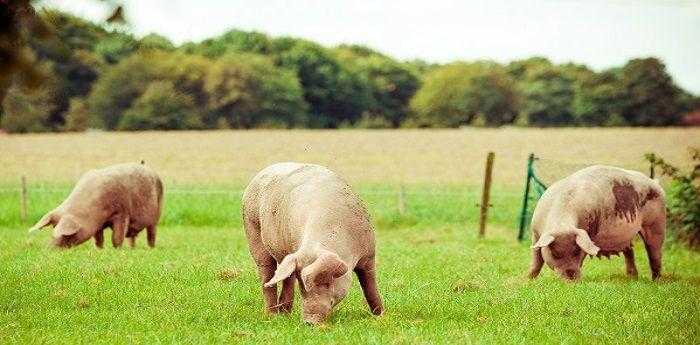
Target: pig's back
[
  {"x": 295, "y": 201},
  {"x": 132, "y": 189},
  {"x": 608, "y": 202}
]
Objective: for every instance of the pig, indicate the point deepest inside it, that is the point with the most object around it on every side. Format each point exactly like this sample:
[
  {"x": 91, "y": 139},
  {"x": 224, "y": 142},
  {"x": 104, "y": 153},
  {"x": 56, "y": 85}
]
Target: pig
[
  {"x": 597, "y": 211},
  {"x": 304, "y": 223},
  {"x": 125, "y": 197}
]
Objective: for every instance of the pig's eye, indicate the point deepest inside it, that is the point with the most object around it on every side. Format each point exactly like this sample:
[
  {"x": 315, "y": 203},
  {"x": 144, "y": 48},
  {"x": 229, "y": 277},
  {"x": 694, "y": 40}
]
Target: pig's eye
[{"x": 577, "y": 250}]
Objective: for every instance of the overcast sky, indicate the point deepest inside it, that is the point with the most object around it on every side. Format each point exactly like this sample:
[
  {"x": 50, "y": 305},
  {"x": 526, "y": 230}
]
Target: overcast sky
[{"x": 598, "y": 33}]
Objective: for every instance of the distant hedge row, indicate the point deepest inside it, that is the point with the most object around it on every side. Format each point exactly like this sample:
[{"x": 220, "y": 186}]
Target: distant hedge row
[{"x": 97, "y": 78}]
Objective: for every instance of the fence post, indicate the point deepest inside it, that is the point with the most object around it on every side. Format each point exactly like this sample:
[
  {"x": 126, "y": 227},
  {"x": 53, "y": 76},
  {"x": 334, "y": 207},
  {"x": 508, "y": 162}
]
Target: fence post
[
  {"x": 486, "y": 193},
  {"x": 526, "y": 195},
  {"x": 651, "y": 170},
  {"x": 402, "y": 200},
  {"x": 23, "y": 200}
]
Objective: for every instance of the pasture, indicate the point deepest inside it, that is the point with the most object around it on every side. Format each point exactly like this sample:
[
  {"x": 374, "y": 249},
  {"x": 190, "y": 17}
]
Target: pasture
[{"x": 440, "y": 283}]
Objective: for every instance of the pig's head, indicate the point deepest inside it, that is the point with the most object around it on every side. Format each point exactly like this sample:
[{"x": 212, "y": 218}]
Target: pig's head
[
  {"x": 564, "y": 251},
  {"x": 325, "y": 282},
  {"x": 67, "y": 230}
]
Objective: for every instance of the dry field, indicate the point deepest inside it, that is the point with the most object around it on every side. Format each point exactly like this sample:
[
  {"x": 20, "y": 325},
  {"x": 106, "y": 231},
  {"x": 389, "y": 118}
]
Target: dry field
[{"x": 362, "y": 156}]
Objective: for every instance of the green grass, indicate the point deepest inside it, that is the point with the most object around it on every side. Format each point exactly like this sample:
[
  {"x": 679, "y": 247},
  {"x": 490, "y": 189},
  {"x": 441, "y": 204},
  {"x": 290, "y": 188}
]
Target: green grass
[
  {"x": 218, "y": 206},
  {"x": 440, "y": 283}
]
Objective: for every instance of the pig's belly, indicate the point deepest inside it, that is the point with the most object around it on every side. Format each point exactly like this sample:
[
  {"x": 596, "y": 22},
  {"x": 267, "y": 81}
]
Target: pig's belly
[{"x": 616, "y": 234}]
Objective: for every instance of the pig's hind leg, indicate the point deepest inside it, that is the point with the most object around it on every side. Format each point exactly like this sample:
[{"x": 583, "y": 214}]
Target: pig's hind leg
[
  {"x": 653, "y": 232},
  {"x": 151, "y": 232},
  {"x": 265, "y": 262},
  {"x": 653, "y": 237},
  {"x": 366, "y": 274}
]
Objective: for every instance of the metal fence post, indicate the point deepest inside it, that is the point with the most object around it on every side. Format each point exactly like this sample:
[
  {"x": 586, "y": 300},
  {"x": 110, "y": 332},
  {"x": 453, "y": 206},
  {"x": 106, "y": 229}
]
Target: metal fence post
[{"x": 526, "y": 196}]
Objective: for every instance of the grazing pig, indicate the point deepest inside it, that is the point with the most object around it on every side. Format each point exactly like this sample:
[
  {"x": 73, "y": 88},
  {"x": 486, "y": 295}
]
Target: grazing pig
[
  {"x": 125, "y": 197},
  {"x": 598, "y": 211},
  {"x": 304, "y": 222}
]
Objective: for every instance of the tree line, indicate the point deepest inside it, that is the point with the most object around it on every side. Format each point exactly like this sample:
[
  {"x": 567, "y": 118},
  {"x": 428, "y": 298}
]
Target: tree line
[{"x": 100, "y": 77}]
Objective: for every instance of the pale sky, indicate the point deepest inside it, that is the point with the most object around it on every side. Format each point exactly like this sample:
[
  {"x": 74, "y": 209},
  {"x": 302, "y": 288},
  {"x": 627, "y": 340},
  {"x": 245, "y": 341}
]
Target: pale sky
[{"x": 598, "y": 33}]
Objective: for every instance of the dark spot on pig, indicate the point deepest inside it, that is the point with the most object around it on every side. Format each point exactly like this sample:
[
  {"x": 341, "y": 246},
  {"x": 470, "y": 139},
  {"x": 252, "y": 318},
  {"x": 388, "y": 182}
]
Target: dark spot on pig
[
  {"x": 591, "y": 223},
  {"x": 651, "y": 195},
  {"x": 626, "y": 200}
]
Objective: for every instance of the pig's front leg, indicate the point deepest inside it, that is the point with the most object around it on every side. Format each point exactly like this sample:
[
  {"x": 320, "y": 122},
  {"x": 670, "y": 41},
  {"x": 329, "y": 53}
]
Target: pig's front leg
[
  {"x": 537, "y": 262},
  {"x": 120, "y": 224},
  {"x": 286, "y": 300},
  {"x": 629, "y": 262}
]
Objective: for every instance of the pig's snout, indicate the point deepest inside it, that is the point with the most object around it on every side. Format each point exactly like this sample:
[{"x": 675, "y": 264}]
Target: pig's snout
[
  {"x": 571, "y": 274},
  {"x": 314, "y": 319}
]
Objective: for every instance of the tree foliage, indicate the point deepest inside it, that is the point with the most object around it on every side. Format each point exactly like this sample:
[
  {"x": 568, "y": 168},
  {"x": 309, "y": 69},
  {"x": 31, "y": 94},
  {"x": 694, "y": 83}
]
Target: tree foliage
[
  {"x": 392, "y": 83},
  {"x": 332, "y": 91},
  {"x": 456, "y": 94},
  {"x": 161, "y": 107},
  {"x": 102, "y": 76},
  {"x": 249, "y": 90},
  {"x": 651, "y": 96},
  {"x": 548, "y": 94},
  {"x": 29, "y": 109}
]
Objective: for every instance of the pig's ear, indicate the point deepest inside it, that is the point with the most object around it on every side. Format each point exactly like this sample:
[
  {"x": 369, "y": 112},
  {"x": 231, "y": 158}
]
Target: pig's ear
[
  {"x": 545, "y": 240},
  {"x": 66, "y": 226},
  {"x": 584, "y": 241},
  {"x": 327, "y": 267},
  {"x": 48, "y": 219},
  {"x": 284, "y": 270}
]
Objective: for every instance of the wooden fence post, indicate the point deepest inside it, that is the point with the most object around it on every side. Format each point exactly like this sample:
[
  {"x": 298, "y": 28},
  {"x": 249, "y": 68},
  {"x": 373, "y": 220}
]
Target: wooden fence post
[
  {"x": 402, "y": 201},
  {"x": 23, "y": 200},
  {"x": 486, "y": 193}
]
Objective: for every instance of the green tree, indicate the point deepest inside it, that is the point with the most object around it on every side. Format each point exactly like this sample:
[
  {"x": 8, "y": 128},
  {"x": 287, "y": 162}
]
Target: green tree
[
  {"x": 652, "y": 99},
  {"x": 161, "y": 107},
  {"x": 548, "y": 94},
  {"x": 249, "y": 90},
  {"x": 155, "y": 41},
  {"x": 392, "y": 83},
  {"x": 233, "y": 41},
  {"x": 456, "y": 94},
  {"x": 29, "y": 109},
  {"x": 72, "y": 32},
  {"x": 334, "y": 93},
  {"x": 73, "y": 64},
  {"x": 519, "y": 69},
  {"x": 77, "y": 116},
  {"x": 116, "y": 47},
  {"x": 120, "y": 85},
  {"x": 598, "y": 100}
]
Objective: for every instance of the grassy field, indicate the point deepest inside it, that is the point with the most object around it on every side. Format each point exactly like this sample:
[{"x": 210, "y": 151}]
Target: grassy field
[{"x": 440, "y": 283}]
